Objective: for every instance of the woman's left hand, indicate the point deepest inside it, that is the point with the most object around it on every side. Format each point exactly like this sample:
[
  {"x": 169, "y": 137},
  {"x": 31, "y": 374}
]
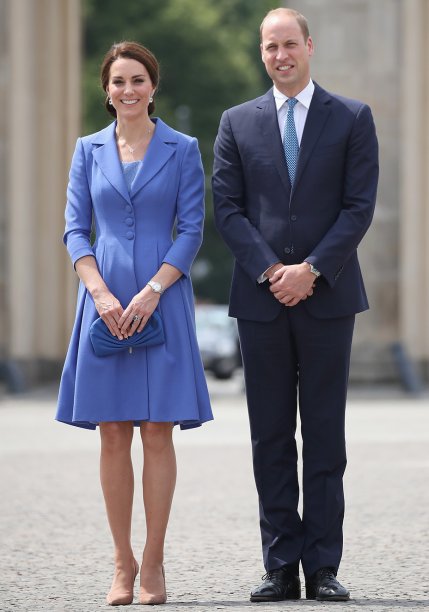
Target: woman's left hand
[{"x": 138, "y": 312}]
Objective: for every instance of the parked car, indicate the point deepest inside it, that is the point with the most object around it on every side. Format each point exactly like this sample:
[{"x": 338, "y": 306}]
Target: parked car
[{"x": 217, "y": 336}]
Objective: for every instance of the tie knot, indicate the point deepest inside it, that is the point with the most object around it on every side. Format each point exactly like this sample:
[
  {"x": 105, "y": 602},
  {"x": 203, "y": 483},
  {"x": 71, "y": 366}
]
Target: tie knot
[{"x": 292, "y": 102}]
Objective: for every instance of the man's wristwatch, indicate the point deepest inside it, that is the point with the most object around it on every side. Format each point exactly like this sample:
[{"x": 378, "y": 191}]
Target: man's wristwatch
[
  {"x": 156, "y": 287},
  {"x": 314, "y": 270}
]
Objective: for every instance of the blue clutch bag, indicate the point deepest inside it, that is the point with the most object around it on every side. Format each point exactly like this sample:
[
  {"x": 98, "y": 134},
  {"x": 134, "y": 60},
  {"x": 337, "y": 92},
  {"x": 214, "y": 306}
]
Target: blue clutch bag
[{"x": 104, "y": 343}]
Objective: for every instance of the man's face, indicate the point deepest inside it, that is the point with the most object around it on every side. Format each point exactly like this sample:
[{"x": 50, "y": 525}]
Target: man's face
[{"x": 286, "y": 54}]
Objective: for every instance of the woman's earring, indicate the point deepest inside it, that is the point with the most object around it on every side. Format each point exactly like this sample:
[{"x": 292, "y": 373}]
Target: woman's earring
[
  {"x": 151, "y": 99},
  {"x": 110, "y": 102}
]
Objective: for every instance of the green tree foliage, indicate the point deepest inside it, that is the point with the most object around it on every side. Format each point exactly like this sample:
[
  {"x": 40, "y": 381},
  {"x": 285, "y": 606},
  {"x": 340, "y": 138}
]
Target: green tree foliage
[{"x": 209, "y": 56}]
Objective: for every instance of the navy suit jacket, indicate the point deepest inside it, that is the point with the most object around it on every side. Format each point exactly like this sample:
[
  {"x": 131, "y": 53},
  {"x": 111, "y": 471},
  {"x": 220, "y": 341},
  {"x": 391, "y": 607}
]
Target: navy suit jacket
[{"x": 321, "y": 220}]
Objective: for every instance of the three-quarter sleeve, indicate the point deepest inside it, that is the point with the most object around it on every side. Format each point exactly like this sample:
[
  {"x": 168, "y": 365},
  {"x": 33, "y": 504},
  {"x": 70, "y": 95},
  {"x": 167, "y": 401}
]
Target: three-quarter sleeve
[
  {"x": 78, "y": 213},
  {"x": 190, "y": 211}
]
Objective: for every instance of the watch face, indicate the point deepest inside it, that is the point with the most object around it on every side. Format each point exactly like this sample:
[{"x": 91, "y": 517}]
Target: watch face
[{"x": 156, "y": 286}]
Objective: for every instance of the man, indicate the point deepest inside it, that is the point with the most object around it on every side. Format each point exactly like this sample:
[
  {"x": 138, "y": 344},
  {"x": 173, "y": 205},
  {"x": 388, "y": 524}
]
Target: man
[{"x": 294, "y": 189}]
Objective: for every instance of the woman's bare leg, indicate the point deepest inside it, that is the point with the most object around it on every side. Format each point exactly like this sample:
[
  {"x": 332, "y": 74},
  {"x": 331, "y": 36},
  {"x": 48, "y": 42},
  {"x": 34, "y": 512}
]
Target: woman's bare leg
[
  {"x": 117, "y": 481},
  {"x": 159, "y": 480}
]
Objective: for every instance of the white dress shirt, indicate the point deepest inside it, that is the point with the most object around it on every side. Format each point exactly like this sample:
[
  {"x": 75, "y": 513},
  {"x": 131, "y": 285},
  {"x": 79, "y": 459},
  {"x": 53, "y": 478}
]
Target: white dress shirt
[{"x": 299, "y": 114}]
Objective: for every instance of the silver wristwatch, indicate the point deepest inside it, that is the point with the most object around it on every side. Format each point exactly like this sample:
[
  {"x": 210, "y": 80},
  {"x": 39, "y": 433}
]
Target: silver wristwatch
[
  {"x": 156, "y": 287},
  {"x": 314, "y": 270}
]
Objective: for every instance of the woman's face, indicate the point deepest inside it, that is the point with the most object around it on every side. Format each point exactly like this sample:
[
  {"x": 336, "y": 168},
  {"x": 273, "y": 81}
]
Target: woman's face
[{"x": 129, "y": 88}]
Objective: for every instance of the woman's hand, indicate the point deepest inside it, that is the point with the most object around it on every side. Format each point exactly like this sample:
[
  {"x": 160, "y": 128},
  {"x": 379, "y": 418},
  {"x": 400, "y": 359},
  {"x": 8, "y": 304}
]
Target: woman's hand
[
  {"x": 138, "y": 312},
  {"x": 110, "y": 310},
  {"x": 108, "y": 306}
]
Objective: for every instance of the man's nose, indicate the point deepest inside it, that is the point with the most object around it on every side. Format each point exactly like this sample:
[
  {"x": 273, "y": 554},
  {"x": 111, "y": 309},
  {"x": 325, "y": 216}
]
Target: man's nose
[{"x": 281, "y": 54}]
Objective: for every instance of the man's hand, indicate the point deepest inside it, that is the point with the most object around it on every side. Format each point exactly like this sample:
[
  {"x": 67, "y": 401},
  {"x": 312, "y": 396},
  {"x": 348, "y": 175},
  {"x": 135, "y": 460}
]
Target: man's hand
[
  {"x": 277, "y": 266},
  {"x": 291, "y": 284}
]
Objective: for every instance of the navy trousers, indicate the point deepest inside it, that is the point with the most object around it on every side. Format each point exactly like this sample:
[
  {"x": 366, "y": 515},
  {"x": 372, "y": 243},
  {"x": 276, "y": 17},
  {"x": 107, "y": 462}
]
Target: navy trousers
[{"x": 298, "y": 361}]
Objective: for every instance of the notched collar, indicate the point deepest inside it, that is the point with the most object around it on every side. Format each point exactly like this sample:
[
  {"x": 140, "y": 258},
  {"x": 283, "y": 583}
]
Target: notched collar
[{"x": 161, "y": 148}]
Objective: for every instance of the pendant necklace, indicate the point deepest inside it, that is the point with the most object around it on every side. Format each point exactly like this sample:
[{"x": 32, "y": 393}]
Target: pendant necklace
[{"x": 131, "y": 149}]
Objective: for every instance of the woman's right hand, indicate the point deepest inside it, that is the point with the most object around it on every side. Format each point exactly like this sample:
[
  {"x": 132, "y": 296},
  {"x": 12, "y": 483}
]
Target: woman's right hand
[
  {"x": 110, "y": 310},
  {"x": 108, "y": 307}
]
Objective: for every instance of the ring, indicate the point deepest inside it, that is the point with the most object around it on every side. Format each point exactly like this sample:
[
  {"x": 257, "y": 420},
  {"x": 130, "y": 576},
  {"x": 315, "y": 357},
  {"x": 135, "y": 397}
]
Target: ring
[{"x": 136, "y": 318}]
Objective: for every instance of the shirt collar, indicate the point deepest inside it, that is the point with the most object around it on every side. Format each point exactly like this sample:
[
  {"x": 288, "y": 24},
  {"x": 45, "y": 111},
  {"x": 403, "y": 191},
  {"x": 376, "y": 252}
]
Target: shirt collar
[{"x": 304, "y": 96}]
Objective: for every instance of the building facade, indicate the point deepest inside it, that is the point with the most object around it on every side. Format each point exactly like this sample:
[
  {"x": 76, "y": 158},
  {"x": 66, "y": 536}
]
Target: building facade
[{"x": 374, "y": 51}]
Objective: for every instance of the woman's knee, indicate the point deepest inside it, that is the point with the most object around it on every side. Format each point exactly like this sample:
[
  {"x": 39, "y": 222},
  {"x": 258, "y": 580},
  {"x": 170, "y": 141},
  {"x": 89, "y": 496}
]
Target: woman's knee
[
  {"x": 116, "y": 436},
  {"x": 156, "y": 437}
]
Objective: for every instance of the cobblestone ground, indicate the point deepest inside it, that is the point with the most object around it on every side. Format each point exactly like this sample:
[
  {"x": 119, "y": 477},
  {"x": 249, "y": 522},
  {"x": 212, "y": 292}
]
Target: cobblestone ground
[{"x": 55, "y": 544}]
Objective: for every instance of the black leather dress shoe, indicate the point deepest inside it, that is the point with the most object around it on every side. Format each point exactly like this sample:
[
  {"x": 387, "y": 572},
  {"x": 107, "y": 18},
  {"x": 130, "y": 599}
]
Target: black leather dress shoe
[
  {"x": 324, "y": 586},
  {"x": 278, "y": 585}
]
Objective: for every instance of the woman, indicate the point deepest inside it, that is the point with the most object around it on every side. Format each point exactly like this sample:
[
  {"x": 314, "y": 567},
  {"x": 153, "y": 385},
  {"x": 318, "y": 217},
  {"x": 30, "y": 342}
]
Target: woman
[{"x": 136, "y": 180}]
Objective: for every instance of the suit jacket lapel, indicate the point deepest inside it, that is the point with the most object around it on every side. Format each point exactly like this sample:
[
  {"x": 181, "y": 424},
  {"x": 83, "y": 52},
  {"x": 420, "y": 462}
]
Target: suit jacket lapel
[
  {"x": 107, "y": 158},
  {"x": 161, "y": 148},
  {"x": 317, "y": 116},
  {"x": 269, "y": 126}
]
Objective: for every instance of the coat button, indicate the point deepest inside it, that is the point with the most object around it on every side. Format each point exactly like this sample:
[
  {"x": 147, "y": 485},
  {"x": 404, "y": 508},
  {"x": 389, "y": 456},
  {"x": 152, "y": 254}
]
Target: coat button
[
  {"x": 294, "y": 218},
  {"x": 129, "y": 235},
  {"x": 129, "y": 221},
  {"x": 287, "y": 250},
  {"x": 128, "y": 208}
]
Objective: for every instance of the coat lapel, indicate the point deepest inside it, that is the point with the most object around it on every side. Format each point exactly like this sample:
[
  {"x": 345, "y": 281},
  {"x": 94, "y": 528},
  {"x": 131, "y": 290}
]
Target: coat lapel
[
  {"x": 161, "y": 148},
  {"x": 268, "y": 122},
  {"x": 317, "y": 116},
  {"x": 107, "y": 158}
]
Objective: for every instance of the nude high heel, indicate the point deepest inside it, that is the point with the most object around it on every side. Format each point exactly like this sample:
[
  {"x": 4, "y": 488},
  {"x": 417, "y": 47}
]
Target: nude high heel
[
  {"x": 148, "y": 598},
  {"x": 120, "y": 596}
]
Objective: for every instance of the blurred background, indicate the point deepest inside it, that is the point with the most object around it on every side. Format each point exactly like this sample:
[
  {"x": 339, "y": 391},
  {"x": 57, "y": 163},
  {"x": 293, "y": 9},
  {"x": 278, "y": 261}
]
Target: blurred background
[{"x": 50, "y": 54}]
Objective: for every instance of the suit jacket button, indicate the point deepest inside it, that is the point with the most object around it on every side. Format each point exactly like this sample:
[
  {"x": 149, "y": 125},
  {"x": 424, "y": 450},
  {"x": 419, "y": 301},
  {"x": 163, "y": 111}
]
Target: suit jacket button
[
  {"x": 129, "y": 235},
  {"x": 294, "y": 218},
  {"x": 287, "y": 250}
]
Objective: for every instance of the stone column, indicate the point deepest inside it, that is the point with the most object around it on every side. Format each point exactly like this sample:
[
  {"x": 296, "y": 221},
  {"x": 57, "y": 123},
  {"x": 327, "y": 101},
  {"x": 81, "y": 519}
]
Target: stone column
[
  {"x": 359, "y": 53},
  {"x": 3, "y": 175},
  {"x": 414, "y": 172},
  {"x": 43, "y": 109}
]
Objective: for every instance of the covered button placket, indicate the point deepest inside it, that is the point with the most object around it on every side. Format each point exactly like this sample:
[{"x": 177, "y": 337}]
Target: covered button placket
[
  {"x": 129, "y": 222},
  {"x": 129, "y": 234}
]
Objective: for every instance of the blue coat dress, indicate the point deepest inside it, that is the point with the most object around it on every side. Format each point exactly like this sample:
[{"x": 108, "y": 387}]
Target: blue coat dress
[{"x": 134, "y": 236}]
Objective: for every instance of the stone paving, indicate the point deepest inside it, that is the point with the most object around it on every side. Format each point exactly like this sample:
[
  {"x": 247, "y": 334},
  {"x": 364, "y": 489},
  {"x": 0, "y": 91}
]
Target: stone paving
[{"x": 55, "y": 544}]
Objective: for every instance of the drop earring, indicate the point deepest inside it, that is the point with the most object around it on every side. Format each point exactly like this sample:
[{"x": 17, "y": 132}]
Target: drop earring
[
  {"x": 150, "y": 99},
  {"x": 110, "y": 102}
]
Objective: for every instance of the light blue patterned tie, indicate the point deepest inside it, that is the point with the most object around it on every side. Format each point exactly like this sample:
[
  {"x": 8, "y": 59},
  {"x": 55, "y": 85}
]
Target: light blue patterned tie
[{"x": 290, "y": 140}]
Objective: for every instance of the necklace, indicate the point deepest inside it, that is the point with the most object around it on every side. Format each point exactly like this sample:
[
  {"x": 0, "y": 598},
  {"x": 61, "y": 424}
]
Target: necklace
[{"x": 131, "y": 149}]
